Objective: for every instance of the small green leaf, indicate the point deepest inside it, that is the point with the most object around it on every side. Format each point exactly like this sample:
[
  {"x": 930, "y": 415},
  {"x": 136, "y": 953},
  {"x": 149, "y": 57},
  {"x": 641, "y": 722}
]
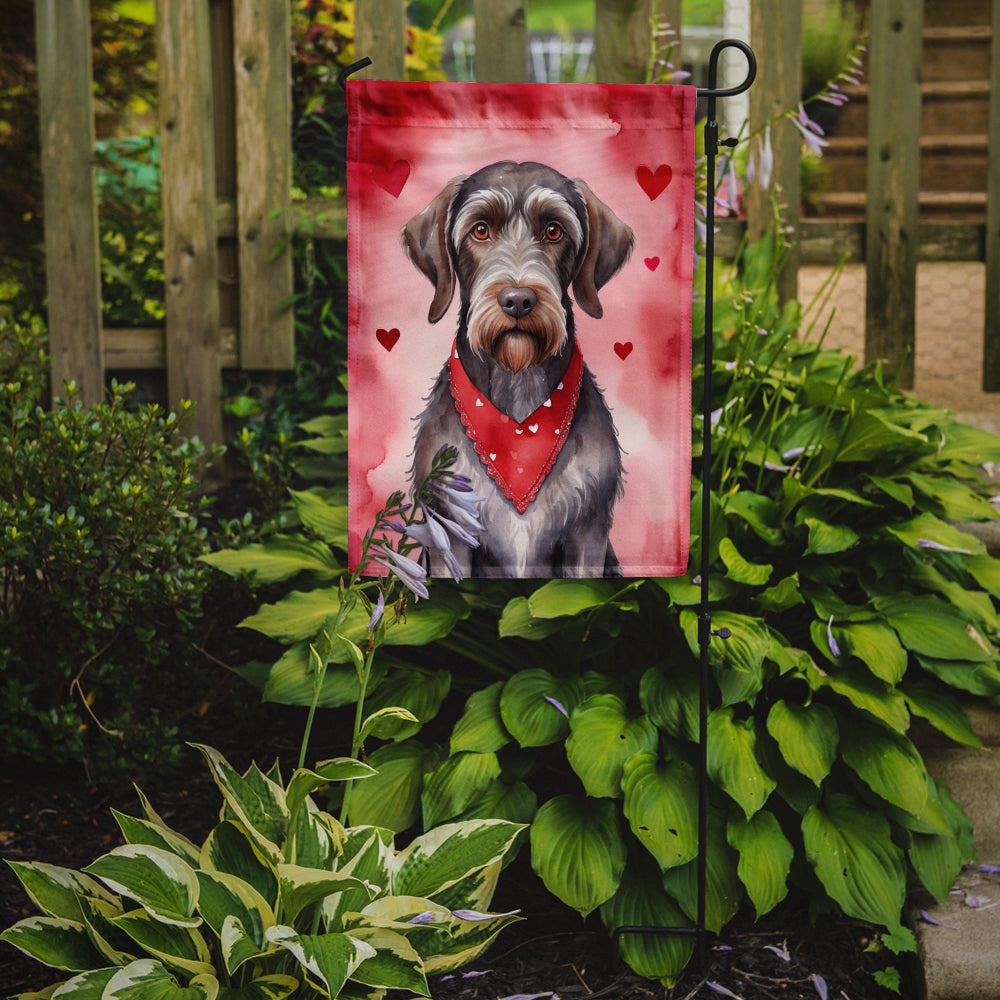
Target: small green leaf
[
  {"x": 828, "y": 539},
  {"x": 807, "y": 736},
  {"x": 481, "y": 727},
  {"x": 456, "y": 784},
  {"x": 739, "y": 569},
  {"x": 765, "y": 858},
  {"x": 888, "y": 763},
  {"x": 559, "y": 598},
  {"x": 732, "y": 760}
]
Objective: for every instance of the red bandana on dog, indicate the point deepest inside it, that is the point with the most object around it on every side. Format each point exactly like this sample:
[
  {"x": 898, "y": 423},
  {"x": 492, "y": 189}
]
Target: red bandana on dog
[{"x": 518, "y": 457}]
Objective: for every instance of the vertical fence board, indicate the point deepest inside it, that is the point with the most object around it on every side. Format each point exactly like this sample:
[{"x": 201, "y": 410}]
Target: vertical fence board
[
  {"x": 262, "y": 60},
  {"x": 380, "y": 34},
  {"x": 621, "y": 40},
  {"x": 776, "y": 35},
  {"x": 72, "y": 257},
  {"x": 892, "y": 215},
  {"x": 501, "y": 41},
  {"x": 991, "y": 332},
  {"x": 190, "y": 254}
]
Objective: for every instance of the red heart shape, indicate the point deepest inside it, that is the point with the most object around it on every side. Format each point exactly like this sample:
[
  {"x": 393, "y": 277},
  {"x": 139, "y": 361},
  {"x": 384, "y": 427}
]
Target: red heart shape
[
  {"x": 387, "y": 338},
  {"x": 391, "y": 179},
  {"x": 652, "y": 263},
  {"x": 623, "y": 350},
  {"x": 654, "y": 184}
]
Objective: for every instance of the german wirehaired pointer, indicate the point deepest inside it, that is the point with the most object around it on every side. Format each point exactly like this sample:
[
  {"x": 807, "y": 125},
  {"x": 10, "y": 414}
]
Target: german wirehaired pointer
[{"x": 531, "y": 427}]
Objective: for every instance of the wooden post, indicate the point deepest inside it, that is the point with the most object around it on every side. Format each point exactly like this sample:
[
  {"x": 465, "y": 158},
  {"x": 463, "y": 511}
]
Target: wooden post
[
  {"x": 262, "y": 60},
  {"x": 72, "y": 255},
  {"x": 501, "y": 41},
  {"x": 776, "y": 35},
  {"x": 622, "y": 40},
  {"x": 190, "y": 254},
  {"x": 893, "y": 183},
  {"x": 380, "y": 34},
  {"x": 669, "y": 11},
  {"x": 991, "y": 332}
]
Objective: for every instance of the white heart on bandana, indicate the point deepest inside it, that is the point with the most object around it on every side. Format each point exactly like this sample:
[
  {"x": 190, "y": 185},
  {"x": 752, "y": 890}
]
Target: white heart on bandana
[
  {"x": 547, "y": 402},
  {"x": 533, "y": 428},
  {"x": 493, "y": 456},
  {"x": 479, "y": 402},
  {"x": 518, "y": 430}
]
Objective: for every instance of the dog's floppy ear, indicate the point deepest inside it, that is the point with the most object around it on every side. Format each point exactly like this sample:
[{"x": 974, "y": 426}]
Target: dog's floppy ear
[
  {"x": 609, "y": 244},
  {"x": 425, "y": 240}
]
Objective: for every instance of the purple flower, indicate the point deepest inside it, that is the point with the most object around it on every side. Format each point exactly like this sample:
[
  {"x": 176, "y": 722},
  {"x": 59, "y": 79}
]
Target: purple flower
[
  {"x": 427, "y": 917},
  {"x": 377, "y": 611},
  {"x": 409, "y": 571},
  {"x": 834, "y": 648},
  {"x": 927, "y": 543},
  {"x": 761, "y": 163},
  {"x": 719, "y": 988},
  {"x": 820, "y": 983},
  {"x": 558, "y": 705},
  {"x": 811, "y": 132},
  {"x": 475, "y": 915}
]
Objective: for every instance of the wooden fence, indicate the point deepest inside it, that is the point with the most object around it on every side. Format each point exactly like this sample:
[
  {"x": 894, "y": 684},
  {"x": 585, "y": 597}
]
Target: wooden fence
[{"x": 226, "y": 160}]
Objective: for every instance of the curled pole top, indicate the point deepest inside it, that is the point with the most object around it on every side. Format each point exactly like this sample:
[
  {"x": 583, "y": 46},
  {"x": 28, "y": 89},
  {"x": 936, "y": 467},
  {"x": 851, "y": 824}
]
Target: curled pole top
[{"x": 713, "y": 91}]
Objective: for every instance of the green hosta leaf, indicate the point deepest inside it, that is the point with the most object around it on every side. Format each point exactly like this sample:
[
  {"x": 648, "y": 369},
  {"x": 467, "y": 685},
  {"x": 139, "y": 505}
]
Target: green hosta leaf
[
  {"x": 807, "y": 736},
  {"x": 850, "y": 847},
  {"x": 391, "y": 798},
  {"x": 828, "y": 539},
  {"x": 517, "y": 620},
  {"x": 417, "y": 690},
  {"x": 602, "y": 738},
  {"x": 260, "y": 809},
  {"x": 866, "y": 692},
  {"x": 758, "y": 511},
  {"x": 765, "y": 858},
  {"x": 274, "y": 987},
  {"x": 723, "y": 889},
  {"x": 387, "y": 723},
  {"x": 957, "y": 501},
  {"x": 301, "y": 887},
  {"x": 888, "y": 763},
  {"x": 751, "y": 574},
  {"x": 578, "y": 851},
  {"x": 456, "y": 784},
  {"x": 671, "y": 700},
  {"x": 986, "y": 572},
  {"x": 876, "y": 646},
  {"x": 965, "y": 443},
  {"x": 159, "y": 881},
  {"x": 54, "y": 941},
  {"x": 147, "y": 979},
  {"x": 535, "y": 706},
  {"x": 292, "y": 681},
  {"x": 975, "y": 605},
  {"x": 395, "y": 964},
  {"x": 732, "y": 760},
  {"x": 56, "y": 891},
  {"x": 976, "y": 678},
  {"x": 226, "y": 898},
  {"x": 230, "y": 849},
  {"x": 684, "y": 592},
  {"x": 304, "y": 782},
  {"x": 279, "y": 558},
  {"x": 481, "y": 728},
  {"x": 559, "y": 598},
  {"x": 738, "y": 661},
  {"x": 438, "y": 859},
  {"x": 327, "y": 520},
  {"x": 941, "y": 709},
  {"x": 783, "y": 595},
  {"x": 330, "y": 959},
  {"x": 516, "y": 803},
  {"x": 870, "y": 436},
  {"x": 937, "y": 860},
  {"x": 180, "y": 948},
  {"x": 641, "y": 901},
  {"x": 928, "y": 528},
  {"x": 141, "y": 831},
  {"x": 661, "y": 798},
  {"x": 931, "y": 628}
]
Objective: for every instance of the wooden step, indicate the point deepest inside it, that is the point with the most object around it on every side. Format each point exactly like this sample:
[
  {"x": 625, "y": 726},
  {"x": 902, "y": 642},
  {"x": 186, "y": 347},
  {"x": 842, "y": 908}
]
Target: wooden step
[
  {"x": 945, "y": 12},
  {"x": 956, "y": 53},
  {"x": 958, "y": 206}
]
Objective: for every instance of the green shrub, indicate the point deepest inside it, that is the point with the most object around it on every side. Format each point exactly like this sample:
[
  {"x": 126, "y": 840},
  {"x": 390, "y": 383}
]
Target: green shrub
[
  {"x": 99, "y": 542},
  {"x": 279, "y": 900}
]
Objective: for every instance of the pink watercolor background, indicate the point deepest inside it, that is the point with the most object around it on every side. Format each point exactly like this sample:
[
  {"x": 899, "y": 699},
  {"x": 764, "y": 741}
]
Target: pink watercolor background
[{"x": 406, "y": 142}]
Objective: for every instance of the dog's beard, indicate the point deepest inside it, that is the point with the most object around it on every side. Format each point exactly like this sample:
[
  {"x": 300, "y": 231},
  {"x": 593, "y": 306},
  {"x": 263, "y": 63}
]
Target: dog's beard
[{"x": 516, "y": 344}]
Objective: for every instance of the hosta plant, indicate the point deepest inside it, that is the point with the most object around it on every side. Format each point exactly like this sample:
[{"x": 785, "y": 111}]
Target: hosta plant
[{"x": 279, "y": 900}]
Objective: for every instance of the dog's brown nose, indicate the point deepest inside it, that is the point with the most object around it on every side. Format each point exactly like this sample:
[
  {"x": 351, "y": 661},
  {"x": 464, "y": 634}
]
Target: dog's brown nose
[{"x": 517, "y": 302}]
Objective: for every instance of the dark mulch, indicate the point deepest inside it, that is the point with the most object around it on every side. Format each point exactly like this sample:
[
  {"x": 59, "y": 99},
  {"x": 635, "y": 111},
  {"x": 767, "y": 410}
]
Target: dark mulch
[{"x": 551, "y": 951}]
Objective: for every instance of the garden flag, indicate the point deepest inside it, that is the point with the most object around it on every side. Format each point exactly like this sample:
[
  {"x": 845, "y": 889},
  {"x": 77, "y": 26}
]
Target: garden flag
[{"x": 520, "y": 275}]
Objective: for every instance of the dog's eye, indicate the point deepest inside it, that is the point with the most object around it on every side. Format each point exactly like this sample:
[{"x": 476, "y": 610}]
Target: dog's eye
[
  {"x": 481, "y": 232},
  {"x": 553, "y": 232}
]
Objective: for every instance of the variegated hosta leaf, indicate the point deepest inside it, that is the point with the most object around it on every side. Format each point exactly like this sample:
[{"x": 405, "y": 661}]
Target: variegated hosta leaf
[
  {"x": 602, "y": 737},
  {"x": 329, "y": 959},
  {"x": 256, "y": 801},
  {"x": 723, "y": 889},
  {"x": 230, "y": 849},
  {"x": 275, "y": 987},
  {"x": 98, "y": 915},
  {"x": 807, "y": 736},
  {"x": 367, "y": 853},
  {"x": 225, "y": 897},
  {"x": 158, "y": 880},
  {"x": 475, "y": 891},
  {"x": 642, "y": 902},
  {"x": 441, "y": 857},
  {"x": 765, "y": 858},
  {"x": 301, "y": 887},
  {"x": 732, "y": 760},
  {"x": 56, "y": 891},
  {"x": 661, "y": 800},
  {"x": 315, "y": 838},
  {"x": 888, "y": 763},
  {"x": 578, "y": 851},
  {"x": 535, "y": 706},
  {"x": 54, "y": 941},
  {"x": 141, "y": 831},
  {"x": 850, "y": 847},
  {"x": 177, "y": 947},
  {"x": 86, "y": 986},
  {"x": 456, "y": 784},
  {"x": 395, "y": 964},
  {"x": 147, "y": 979},
  {"x": 481, "y": 727},
  {"x": 304, "y": 782},
  {"x": 466, "y": 941}
]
